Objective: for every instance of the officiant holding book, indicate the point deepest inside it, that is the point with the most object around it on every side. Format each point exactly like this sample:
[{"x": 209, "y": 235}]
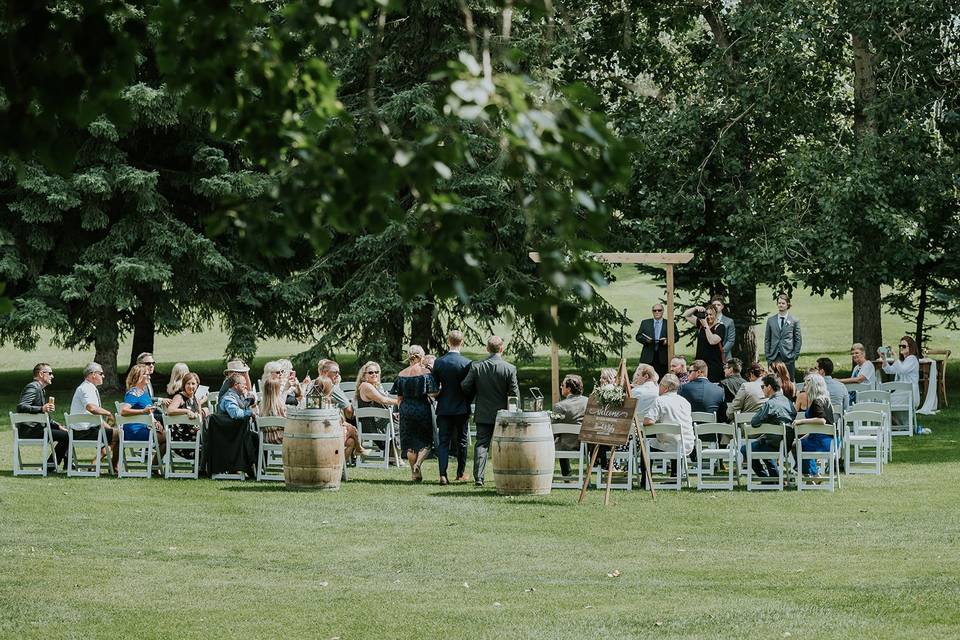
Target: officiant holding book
[{"x": 653, "y": 336}]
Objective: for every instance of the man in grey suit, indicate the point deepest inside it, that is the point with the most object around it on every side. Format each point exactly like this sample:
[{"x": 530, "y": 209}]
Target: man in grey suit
[
  {"x": 653, "y": 336},
  {"x": 570, "y": 410},
  {"x": 490, "y": 382},
  {"x": 731, "y": 329},
  {"x": 781, "y": 339}
]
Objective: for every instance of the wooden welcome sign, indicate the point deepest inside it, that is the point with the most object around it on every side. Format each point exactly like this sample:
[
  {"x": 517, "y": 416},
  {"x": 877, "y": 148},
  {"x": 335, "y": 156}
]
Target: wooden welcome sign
[{"x": 607, "y": 424}]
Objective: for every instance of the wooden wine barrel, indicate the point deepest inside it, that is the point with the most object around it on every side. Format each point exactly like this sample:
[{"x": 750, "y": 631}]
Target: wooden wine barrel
[
  {"x": 522, "y": 451},
  {"x": 313, "y": 449}
]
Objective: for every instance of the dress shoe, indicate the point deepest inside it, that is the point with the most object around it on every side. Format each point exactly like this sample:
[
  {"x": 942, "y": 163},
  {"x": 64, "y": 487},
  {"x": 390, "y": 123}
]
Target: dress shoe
[
  {"x": 478, "y": 483},
  {"x": 443, "y": 481}
]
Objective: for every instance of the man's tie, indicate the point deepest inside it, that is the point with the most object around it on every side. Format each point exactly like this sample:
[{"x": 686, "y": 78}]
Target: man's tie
[{"x": 781, "y": 323}]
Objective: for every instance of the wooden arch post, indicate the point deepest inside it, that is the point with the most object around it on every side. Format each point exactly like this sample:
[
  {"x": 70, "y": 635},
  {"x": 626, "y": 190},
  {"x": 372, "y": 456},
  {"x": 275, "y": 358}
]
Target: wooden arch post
[{"x": 664, "y": 260}]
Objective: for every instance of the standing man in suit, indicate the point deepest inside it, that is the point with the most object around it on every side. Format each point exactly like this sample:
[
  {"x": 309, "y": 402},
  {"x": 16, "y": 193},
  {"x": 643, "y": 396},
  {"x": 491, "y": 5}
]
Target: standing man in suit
[
  {"x": 33, "y": 399},
  {"x": 731, "y": 330},
  {"x": 653, "y": 336},
  {"x": 781, "y": 338},
  {"x": 490, "y": 382},
  {"x": 453, "y": 406}
]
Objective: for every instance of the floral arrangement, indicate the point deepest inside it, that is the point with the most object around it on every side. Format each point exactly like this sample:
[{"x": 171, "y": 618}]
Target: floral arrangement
[{"x": 609, "y": 395}]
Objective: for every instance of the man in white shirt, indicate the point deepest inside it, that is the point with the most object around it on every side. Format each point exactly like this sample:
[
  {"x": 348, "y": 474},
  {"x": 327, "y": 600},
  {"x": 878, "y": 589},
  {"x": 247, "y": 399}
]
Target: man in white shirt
[
  {"x": 669, "y": 407},
  {"x": 86, "y": 399}
]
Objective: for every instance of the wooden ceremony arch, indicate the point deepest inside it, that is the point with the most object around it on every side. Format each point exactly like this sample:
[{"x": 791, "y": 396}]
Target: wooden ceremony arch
[{"x": 665, "y": 260}]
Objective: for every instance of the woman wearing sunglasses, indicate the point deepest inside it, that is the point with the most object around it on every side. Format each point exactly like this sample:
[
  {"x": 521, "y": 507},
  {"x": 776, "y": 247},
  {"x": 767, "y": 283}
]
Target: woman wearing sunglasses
[{"x": 907, "y": 368}]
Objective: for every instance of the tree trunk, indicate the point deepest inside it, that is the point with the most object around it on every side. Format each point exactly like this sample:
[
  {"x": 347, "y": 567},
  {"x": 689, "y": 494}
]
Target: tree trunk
[
  {"x": 396, "y": 347},
  {"x": 144, "y": 329},
  {"x": 866, "y": 317},
  {"x": 106, "y": 344},
  {"x": 421, "y": 324},
  {"x": 742, "y": 307},
  {"x": 921, "y": 313}
]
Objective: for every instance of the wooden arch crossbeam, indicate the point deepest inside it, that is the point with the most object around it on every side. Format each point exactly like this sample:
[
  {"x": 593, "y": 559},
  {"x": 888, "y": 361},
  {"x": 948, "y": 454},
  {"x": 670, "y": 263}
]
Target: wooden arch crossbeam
[{"x": 664, "y": 260}]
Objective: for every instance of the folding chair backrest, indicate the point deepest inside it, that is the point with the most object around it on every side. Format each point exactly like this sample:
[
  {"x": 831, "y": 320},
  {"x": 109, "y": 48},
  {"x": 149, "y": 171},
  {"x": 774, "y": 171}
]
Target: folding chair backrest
[
  {"x": 70, "y": 419},
  {"x": 874, "y": 396},
  {"x": 271, "y": 422},
  {"x": 899, "y": 393},
  {"x": 703, "y": 417},
  {"x": 212, "y": 398},
  {"x": 182, "y": 419},
  {"x": 348, "y": 387},
  {"x": 744, "y": 417},
  {"x": 138, "y": 419},
  {"x": 763, "y": 430},
  {"x": 714, "y": 428},
  {"x": 822, "y": 429},
  {"x": 662, "y": 428},
  {"x": 19, "y": 418},
  {"x": 863, "y": 417},
  {"x": 372, "y": 412},
  {"x": 565, "y": 428}
]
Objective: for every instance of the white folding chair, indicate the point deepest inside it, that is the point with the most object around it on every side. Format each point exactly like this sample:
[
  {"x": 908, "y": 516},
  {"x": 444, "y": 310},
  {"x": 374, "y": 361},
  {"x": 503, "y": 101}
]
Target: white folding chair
[
  {"x": 742, "y": 420},
  {"x": 830, "y": 458},
  {"x": 270, "y": 456},
  {"x": 381, "y": 459},
  {"x": 858, "y": 388},
  {"x": 902, "y": 401},
  {"x": 715, "y": 452},
  {"x": 864, "y": 434},
  {"x": 71, "y": 422},
  {"x": 45, "y": 443},
  {"x": 172, "y": 461},
  {"x": 879, "y": 401},
  {"x": 564, "y": 482},
  {"x": 751, "y": 435},
  {"x": 348, "y": 387},
  {"x": 703, "y": 417},
  {"x": 144, "y": 448},
  {"x": 620, "y": 479},
  {"x": 666, "y": 455},
  {"x": 212, "y": 399}
]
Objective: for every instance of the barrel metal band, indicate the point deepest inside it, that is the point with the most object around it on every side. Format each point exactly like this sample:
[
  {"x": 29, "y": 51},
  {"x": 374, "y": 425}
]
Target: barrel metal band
[
  {"x": 311, "y": 436},
  {"x": 521, "y": 439},
  {"x": 521, "y": 472}
]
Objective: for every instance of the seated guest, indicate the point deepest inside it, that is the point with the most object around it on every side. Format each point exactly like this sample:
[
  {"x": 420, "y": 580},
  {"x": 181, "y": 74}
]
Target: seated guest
[
  {"x": 236, "y": 367},
  {"x": 33, "y": 399},
  {"x": 86, "y": 399},
  {"x": 838, "y": 392},
  {"x": 331, "y": 370},
  {"x": 863, "y": 370},
  {"x": 820, "y": 411},
  {"x": 351, "y": 437},
  {"x": 570, "y": 410},
  {"x": 801, "y": 403},
  {"x": 750, "y": 396},
  {"x": 776, "y": 410},
  {"x": 186, "y": 403},
  {"x": 608, "y": 376},
  {"x": 787, "y": 387},
  {"x": 670, "y": 407},
  {"x": 176, "y": 378},
  {"x": 230, "y": 445},
  {"x": 370, "y": 393},
  {"x": 732, "y": 380},
  {"x": 137, "y": 401},
  {"x": 645, "y": 388},
  {"x": 146, "y": 359},
  {"x": 907, "y": 368},
  {"x": 702, "y": 394},
  {"x": 678, "y": 367},
  {"x": 271, "y": 370},
  {"x": 292, "y": 388}
]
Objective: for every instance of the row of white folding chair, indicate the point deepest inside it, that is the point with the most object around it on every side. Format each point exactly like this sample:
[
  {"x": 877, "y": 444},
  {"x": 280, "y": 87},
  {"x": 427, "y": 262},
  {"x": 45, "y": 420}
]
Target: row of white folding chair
[
  {"x": 865, "y": 437},
  {"x": 715, "y": 452},
  {"x": 376, "y": 459},
  {"x": 879, "y": 401},
  {"x": 269, "y": 455},
  {"x": 902, "y": 401},
  {"x": 666, "y": 455},
  {"x": 750, "y": 435},
  {"x": 578, "y": 455},
  {"x": 45, "y": 443},
  {"x": 829, "y": 458},
  {"x": 702, "y": 417}
]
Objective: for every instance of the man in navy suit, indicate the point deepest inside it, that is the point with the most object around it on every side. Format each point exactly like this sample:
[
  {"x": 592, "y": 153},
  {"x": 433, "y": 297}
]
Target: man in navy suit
[
  {"x": 453, "y": 406},
  {"x": 702, "y": 394}
]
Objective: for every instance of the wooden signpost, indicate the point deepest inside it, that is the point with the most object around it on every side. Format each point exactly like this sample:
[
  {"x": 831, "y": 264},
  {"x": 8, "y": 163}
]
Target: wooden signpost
[{"x": 612, "y": 426}]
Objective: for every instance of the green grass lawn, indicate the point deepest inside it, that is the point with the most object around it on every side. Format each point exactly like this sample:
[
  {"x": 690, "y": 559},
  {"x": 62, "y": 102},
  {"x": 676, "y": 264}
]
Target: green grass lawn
[{"x": 383, "y": 558}]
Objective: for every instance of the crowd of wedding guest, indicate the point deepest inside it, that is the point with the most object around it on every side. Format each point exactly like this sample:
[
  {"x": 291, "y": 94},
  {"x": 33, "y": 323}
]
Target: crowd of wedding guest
[{"x": 434, "y": 397}]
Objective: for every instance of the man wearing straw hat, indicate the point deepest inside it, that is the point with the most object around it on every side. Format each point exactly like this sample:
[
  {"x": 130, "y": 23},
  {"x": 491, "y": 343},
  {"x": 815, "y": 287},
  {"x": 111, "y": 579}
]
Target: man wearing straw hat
[{"x": 236, "y": 367}]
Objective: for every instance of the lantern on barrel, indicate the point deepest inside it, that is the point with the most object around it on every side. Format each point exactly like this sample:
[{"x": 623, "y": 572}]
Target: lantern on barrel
[{"x": 315, "y": 398}]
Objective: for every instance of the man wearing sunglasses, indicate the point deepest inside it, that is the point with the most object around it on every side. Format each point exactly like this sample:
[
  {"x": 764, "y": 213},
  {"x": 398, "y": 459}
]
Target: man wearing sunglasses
[
  {"x": 33, "y": 399},
  {"x": 653, "y": 336}
]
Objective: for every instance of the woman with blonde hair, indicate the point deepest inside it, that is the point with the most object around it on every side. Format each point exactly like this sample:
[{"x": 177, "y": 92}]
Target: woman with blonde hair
[
  {"x": 819, "y": 411},
  {"x": 413, "y": 388},
  {"x": 137, "y": 402},
  {"x": 370, "y": 393},
  {"x": 176, "y": 378},
  {"x": 273, "y": 405}
]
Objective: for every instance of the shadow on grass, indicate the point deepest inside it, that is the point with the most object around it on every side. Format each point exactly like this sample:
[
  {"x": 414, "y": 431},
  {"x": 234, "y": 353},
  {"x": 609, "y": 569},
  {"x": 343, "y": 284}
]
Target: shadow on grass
[
  {"x": 257, "y": 487},
  {"x": 381, "y": 481}
]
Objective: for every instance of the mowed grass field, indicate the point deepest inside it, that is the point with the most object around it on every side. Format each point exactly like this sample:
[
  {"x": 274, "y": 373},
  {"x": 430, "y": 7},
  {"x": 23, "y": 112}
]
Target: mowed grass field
[{"x": 384, "y": 558}]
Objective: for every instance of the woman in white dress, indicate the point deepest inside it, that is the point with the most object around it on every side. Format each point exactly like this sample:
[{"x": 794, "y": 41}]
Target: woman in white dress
[{"x": 907, "y": 368}]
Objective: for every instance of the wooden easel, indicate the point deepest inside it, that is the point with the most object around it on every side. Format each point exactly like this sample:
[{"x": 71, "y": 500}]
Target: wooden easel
[{"x": 638, "y": 429}]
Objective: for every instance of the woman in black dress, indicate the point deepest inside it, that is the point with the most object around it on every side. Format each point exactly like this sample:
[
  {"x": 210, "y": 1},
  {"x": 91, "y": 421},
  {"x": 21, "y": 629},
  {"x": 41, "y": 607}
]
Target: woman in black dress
[
  {"x": 185, "y": 403},
  {"x": 413, "y": 387},
  {"x": 710, "y": 335}
]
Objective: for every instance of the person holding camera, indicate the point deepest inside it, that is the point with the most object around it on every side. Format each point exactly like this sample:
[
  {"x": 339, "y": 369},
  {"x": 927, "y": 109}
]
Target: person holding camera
[{"x": 710, "y": 336}]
